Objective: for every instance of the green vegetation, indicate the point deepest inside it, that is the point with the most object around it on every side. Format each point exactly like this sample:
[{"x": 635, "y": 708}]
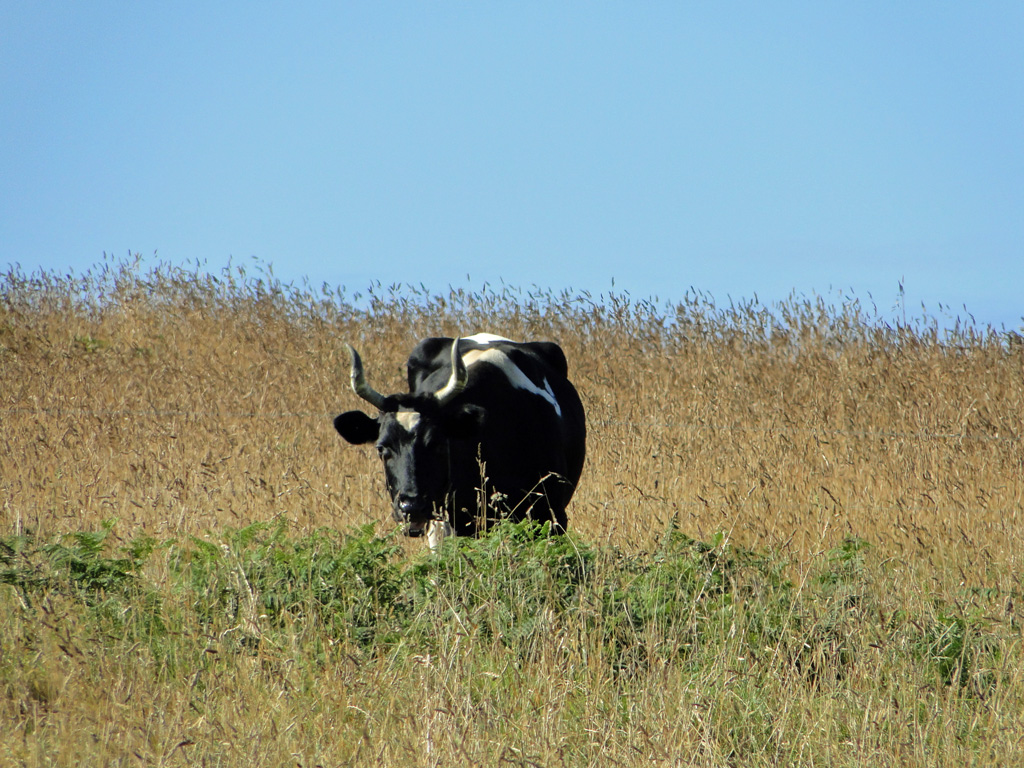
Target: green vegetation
[{"x": 515, "y": 646}]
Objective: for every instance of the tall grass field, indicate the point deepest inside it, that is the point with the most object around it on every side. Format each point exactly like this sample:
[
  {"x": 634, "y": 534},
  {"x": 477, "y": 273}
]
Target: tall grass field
[{"x": 798, "y": 539}]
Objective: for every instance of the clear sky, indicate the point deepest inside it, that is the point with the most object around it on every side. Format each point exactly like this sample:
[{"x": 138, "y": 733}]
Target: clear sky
[{"x": 739, "y": 148}]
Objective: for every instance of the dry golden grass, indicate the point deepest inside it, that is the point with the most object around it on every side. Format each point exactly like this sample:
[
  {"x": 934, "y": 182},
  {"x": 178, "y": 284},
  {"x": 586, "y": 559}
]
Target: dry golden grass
[
  {"x": 178, "y": 406},
  {"x": 182, "y": 406}
]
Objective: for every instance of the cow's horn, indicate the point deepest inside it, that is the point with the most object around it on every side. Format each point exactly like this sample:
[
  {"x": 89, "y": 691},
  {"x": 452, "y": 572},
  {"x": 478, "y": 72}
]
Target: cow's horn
[
  {"x": 457, "y": 381},
  {"x": 359, "y": 385}
]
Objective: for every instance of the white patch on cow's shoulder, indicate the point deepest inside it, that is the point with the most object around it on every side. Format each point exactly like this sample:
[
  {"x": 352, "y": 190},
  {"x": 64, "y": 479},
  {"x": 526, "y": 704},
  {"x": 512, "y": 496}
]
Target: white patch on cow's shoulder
[
  {"x": 516, "y": 377},
  {"x": 408, "y": 419},
  {"x": 485, "y": 338}
]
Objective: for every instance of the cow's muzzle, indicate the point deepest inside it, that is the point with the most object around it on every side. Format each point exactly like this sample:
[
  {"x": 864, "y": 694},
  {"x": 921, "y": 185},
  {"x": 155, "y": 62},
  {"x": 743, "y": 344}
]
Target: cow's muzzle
[{"x": 415, "y": 513}]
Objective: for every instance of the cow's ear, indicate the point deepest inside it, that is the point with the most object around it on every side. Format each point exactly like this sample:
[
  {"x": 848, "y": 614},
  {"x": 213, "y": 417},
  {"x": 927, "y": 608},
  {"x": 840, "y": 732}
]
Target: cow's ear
[
  {"x": 465, "y": 421},
  {"x": 357, "y": 427}
]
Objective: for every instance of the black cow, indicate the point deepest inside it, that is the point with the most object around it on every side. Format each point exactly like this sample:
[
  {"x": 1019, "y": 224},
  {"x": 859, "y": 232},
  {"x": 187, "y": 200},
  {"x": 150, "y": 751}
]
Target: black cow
[{"x": 490, "y": 429}]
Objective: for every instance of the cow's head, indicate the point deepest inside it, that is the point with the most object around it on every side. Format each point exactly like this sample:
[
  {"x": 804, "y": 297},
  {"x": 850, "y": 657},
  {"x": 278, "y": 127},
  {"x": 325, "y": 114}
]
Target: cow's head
[{"x": 413, "y": 434}]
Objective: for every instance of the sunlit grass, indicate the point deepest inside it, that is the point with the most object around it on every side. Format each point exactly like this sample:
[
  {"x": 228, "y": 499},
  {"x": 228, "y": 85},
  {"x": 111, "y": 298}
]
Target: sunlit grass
[{"x": 797, "y": 539}]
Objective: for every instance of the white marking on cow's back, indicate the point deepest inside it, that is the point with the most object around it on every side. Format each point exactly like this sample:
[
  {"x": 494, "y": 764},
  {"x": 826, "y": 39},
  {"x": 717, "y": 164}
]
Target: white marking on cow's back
[
  {"x": 485, "y": 338},
  {"x": 408, "y": 419},
  {"x": 515, "y": 376}
]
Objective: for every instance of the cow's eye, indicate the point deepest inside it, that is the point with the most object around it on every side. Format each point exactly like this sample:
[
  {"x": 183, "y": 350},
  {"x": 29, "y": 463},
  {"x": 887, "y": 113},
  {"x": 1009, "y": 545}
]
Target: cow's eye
[{"x": 384, "y": 452}]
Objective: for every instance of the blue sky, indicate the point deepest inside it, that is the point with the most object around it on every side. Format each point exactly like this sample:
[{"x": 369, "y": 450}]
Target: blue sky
[{"x": 739, "y": 148}]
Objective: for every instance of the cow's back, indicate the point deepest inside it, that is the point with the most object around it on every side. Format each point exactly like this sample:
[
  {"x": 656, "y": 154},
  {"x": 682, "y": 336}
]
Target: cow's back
[{"x": 534, "y": 433}]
